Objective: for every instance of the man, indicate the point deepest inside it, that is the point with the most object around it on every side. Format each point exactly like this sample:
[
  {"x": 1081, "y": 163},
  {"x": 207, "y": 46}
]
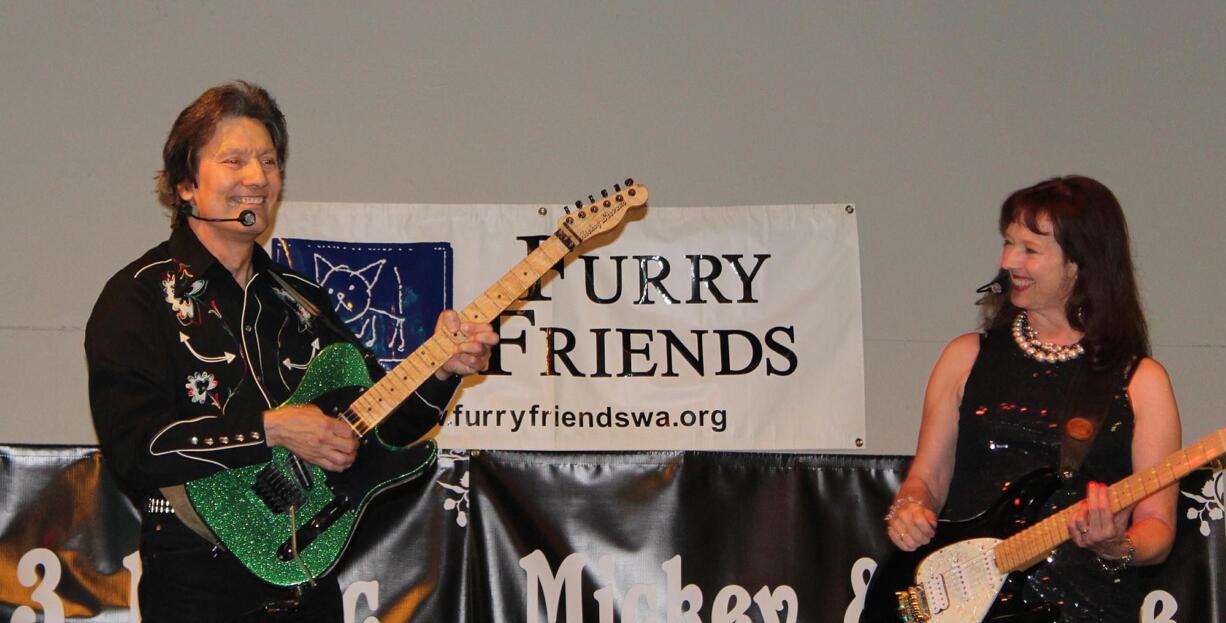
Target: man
[{"x": 186, "y": 348}]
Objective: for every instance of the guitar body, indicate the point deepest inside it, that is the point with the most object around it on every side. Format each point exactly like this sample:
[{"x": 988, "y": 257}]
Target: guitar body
[
  {"x": 244, "y": 507},
  {"x": 958, "y": 587}
]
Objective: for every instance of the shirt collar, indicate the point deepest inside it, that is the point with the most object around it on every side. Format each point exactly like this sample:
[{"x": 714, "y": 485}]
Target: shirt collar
[{"x": 187, "y": 248}]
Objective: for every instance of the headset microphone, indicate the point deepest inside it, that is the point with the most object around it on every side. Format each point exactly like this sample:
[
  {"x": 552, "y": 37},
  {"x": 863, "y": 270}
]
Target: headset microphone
[
  {"x": 246, "y": 217},
  {"x": 995, "y": 286}
]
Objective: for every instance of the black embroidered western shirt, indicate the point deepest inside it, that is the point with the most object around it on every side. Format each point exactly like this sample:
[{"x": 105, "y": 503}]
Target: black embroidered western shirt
[{"x": 183, "y": 361}]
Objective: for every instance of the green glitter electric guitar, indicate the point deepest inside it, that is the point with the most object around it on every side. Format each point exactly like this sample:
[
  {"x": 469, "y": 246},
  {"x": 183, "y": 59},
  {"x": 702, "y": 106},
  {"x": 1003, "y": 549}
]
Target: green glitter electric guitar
[{"x": 288, "y": 521}]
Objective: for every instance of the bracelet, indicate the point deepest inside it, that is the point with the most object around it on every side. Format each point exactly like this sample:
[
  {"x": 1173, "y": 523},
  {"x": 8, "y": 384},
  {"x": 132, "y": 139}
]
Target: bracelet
[
  {"x": 898, "y": 503},
  {"x": 1114, "y": 565}
]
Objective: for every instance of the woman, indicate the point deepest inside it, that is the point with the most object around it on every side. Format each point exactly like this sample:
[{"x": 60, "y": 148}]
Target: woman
[{"x": 1067, "y": 327}]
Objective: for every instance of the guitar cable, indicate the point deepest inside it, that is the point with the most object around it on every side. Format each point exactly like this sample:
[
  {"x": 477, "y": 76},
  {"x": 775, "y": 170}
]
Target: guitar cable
[{"x": 293, "y": 544}]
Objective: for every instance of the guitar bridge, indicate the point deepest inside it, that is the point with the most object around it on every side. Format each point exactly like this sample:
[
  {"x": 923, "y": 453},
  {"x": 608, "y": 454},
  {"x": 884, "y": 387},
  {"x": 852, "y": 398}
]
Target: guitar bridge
[
  {"x": 913, "y": 605},
  {"x": 277, "y": 491}
]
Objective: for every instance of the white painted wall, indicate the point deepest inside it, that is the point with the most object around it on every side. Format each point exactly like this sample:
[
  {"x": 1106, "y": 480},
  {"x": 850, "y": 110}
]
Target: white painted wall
[{"x": 924, "y": 114}]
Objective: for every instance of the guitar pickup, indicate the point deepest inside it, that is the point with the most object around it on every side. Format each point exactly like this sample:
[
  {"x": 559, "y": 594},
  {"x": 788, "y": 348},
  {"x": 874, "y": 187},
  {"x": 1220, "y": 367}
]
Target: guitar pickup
[{"x": 301, "y": 472}]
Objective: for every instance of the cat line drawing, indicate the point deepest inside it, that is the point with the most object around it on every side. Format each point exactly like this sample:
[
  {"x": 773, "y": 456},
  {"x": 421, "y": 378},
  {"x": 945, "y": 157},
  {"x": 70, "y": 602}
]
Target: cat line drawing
[{"x": 354, "y": 290}]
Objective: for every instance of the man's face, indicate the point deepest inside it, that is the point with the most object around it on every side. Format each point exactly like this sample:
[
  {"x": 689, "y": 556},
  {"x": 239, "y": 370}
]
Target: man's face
[{"x": 237, "y": 171}]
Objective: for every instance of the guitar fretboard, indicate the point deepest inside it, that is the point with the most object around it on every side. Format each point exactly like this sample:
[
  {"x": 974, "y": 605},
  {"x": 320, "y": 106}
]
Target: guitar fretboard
[
  {"x": 1034, "y": 543},
  {"x": 384, "y": 396}
]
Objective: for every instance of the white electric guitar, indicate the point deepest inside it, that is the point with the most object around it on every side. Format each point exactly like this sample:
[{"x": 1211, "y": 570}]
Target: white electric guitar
[{"x": 961, "y": 572}]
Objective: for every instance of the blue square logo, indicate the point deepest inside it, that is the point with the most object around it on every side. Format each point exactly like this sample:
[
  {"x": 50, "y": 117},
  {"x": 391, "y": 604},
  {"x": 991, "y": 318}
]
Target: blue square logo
[{"x": 388, "y": 294}]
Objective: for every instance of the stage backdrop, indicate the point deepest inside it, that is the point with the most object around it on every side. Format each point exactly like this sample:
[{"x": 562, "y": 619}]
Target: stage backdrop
[
  {"x": 730, "y": 328},
  {"x": 519, "y": 537}
]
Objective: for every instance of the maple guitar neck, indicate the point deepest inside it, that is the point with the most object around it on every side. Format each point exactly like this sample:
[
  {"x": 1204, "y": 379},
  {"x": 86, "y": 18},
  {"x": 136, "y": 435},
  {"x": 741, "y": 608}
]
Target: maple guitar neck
[
  {"x": 385, "y": 396},
  {"x": 1033, "y": 544}
]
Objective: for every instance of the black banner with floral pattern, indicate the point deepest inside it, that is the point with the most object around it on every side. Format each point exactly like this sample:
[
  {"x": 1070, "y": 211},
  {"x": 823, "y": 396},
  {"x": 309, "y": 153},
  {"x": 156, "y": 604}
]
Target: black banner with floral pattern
[{"x": 676, "y": 537}]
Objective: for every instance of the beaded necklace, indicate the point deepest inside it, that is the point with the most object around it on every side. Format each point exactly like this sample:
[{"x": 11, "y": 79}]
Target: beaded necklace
[{"x": 1028, "y": 340}]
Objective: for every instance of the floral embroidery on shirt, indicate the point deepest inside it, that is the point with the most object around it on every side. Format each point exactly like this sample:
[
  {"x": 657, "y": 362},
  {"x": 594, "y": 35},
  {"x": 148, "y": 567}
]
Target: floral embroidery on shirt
[
  {"x": 304, "y": 318},
  {"x": 183, "y": 299},
  {"x": 199, "y": 385}
]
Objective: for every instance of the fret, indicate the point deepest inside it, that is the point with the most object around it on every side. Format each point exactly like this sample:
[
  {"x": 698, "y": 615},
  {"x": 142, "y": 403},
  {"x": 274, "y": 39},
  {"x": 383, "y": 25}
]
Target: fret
[
  {"x": 500, "y": 297},
  {"x": 1050, "y": 538},
  {"x": 503, "y": 295},
  {"x": 1127, "y": 489},
  {"x": 447, "y": 337},
  {"x": 385, "y": 398},
  {"x": 522, "y": 275},
  {"x": 1187, "y": 459},
  {"x": 1171, "y": 474},
  {"x": 554, "y": 249},
  {"x": 376, "y": 399},
  {"x": 409, "y": 373},
  {"x": 360, "y": 404},
  {"x": 1028, "y": 541},
  {"x": 374, "y": 412},
  {"x": 395, "y": 384},
  {"x": 510, "y": 283},
  {"x": 540, "y": 262},
  {"x": 1151, "y": 475},
  {"x": 1165, "y": 472},
  {"x": 487, "y": 306},
  {"x": 1193, "y": 455},
  {"x": 426, "y": 359},
  {"x": 1204, "y": 453},
  {"x": 438, "y": 350},
  {"x": 1004, "y": 557},
  {"x": 473, "y": 313}
]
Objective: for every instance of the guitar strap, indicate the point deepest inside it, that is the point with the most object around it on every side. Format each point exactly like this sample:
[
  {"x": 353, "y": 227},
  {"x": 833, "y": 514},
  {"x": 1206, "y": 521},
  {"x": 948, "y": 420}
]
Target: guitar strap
[
  {"x": 312, "y": 310},
  {"x": 1091, "y": 393},
  {"x": 177, "y": 496}
]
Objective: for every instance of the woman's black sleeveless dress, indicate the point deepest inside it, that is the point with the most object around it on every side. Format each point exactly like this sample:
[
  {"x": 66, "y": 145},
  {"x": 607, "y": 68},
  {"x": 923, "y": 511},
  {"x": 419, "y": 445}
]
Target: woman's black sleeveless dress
[{"x": 1009, "y": 425}]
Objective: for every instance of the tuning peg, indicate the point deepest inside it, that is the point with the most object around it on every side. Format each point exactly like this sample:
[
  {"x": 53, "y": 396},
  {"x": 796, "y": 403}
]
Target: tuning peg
[
  {"x": 617, "y": 188},
  {"x": 604, "y": 193},
  {"x": 629, "y": 182},
  {"x": 591, "y": 199}
]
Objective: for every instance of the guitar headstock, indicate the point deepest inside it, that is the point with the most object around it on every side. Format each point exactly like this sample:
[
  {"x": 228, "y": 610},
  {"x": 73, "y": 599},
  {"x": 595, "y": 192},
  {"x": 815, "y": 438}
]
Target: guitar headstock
[{"x": 600, "y": 214}]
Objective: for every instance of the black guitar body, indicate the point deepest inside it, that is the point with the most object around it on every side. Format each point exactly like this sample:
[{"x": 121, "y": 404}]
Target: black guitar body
[{"x": 1018, "y": 508}]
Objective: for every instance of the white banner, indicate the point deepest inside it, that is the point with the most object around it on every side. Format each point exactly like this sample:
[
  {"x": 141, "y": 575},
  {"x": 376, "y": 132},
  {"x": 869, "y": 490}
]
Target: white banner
[{"x": 722, "y": 328}]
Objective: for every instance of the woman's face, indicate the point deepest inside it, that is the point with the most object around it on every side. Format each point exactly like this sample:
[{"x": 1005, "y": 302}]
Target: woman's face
[
  {"x": 237, "y": 171},
  {"x": 1040, "y": 278}
]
